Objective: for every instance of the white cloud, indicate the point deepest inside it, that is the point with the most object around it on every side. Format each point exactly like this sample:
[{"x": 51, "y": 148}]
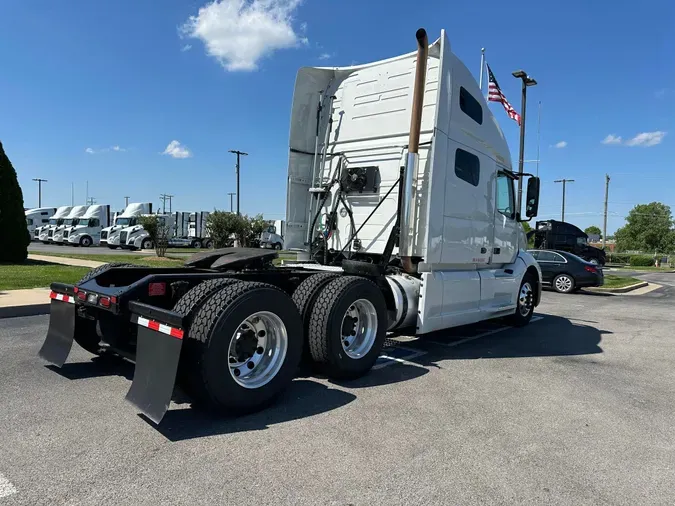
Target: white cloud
[
  {"x": 92, "y": 151},
  {"x": 176, "y": 150},
  {"x": 186, "y": 47},
  {"x": 239, "y": 33},
  {"x": 612, "y": 139},
  {"x": 325, "y": 56},
  {"x": 560, "y": 144},
  {"x": 646, "y": 139}
]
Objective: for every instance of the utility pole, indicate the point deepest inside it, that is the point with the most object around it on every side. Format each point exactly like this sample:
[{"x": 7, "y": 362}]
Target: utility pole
[
  {"x": 564, "y": 182},
  {"x": 231, "y": 194},
  {"x": 604, "y": 225},
  {"x": 91, "y": 201},
  {"x": 126, "y": 202},
  {"x": 238, "y": 153},
  {"x": 527, "y": 81},
  {"x": 87, "y": 196},
  {"x": 72, "y": 194},
  {"x": 39, "y": 182},
  {"x": 164, "y": 197}
]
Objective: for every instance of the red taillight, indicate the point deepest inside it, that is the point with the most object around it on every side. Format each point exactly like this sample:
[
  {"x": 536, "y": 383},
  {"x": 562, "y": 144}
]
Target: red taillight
[
  {"x": 156, "y": 289},
  {"x": 76, "y": 289},
  {"x": 81, "y": 295},
  {"x": 590, "y": 269},
  {"x": 104, "y": 301},
  {"x": 113, "y": 299}
]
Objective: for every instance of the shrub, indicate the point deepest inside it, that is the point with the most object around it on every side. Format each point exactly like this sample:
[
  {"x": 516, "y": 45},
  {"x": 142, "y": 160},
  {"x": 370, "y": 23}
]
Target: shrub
[
  {"x": 159, "y": 231},
  {"x": 618, "y": 258},
  {"x": 12, "y": 215},
  {"x": 641, "y": 261}
]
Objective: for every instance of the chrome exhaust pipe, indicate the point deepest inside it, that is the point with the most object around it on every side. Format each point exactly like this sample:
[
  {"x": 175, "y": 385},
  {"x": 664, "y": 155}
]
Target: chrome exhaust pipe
[{"x": 406, "y": 241}]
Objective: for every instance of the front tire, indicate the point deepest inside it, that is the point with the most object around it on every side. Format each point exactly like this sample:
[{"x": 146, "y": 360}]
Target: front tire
[
  {"x": 563, "y": 283},
  {"x": 347, "y": 327},
  {"x": 86, "y": 241},
  {"x": 247, "y": 342},
  {"x": 525, "y": 307},
  {"x": 147, "y": 244}
]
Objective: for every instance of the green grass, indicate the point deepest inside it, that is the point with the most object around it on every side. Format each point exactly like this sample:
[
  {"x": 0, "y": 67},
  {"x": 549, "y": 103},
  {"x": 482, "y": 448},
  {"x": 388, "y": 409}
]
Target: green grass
[
  {"x": 151, "y": 261},
  {"x": 34, "y": 274},
  {"x": 648, "y": 268},
  {"x": 613, "y": 281}
]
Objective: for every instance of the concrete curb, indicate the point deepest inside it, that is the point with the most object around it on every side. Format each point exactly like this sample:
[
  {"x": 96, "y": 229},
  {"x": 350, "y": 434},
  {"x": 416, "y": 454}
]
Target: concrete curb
[
  {"x": 623, "y": 289},
  {"x": 27, "y": 310}
]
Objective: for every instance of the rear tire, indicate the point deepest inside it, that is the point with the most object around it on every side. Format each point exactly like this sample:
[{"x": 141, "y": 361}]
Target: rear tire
[
  {"x": 347, "y": 327},
  {"x": 304, "y": 297},
  {"x": 563, "y": 283},
  {"x": 112, "y": 247},
  {"x": 247, "y": 341}
]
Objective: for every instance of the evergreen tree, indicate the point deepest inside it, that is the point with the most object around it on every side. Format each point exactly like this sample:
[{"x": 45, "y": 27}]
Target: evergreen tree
[{"x": 14, "y": 248}]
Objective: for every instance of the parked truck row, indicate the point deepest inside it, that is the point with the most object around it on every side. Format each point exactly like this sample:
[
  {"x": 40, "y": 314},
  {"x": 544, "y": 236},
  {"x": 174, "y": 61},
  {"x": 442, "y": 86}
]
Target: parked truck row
[{"x": 404, "y": 218}]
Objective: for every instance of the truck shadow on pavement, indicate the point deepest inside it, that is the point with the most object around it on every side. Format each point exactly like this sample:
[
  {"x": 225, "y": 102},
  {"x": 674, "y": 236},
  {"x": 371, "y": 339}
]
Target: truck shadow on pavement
[{"x": 403, "y": 359}]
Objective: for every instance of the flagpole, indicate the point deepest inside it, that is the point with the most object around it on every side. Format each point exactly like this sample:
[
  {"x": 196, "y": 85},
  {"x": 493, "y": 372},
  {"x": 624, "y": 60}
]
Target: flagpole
[{"x": 482, "y": 68}]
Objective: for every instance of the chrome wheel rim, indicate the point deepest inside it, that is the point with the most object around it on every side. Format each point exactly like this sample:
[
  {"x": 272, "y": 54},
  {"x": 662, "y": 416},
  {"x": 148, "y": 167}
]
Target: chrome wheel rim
[
  {"x": 525, "y": 299},
  {"x": 359, "y": 329},
  {"x": 563, "y": 283},
  {"x": 257, "y": 349}
]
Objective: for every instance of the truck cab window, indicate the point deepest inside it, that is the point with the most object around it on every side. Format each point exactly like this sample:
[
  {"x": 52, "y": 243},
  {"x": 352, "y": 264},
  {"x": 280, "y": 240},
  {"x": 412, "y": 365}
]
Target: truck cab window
[
  {"x": 470, "y": 106},
  {"x": 29, "y": 221},
  {"x": 467, "y": 167},
  {"x": 94, "y": 222},
  {"x": 505, "y": 198}
]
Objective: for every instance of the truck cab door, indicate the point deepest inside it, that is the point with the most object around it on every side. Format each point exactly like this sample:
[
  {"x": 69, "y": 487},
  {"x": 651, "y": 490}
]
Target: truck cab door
[{"x": 499, "y": 284}]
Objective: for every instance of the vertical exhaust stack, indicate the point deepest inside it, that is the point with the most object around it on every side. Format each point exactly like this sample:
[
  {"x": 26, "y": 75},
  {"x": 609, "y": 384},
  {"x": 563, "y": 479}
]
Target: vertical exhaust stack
[{"x": 412, "y": 163}]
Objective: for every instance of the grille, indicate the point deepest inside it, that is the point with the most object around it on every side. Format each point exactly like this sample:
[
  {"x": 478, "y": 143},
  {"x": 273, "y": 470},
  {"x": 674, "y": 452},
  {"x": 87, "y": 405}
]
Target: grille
[
  {"x": 104, "y": 235},
  {"x": 50, "y": 233},
  {"x": 65, "y": 234},
  {"x": 123, "y": 237}
]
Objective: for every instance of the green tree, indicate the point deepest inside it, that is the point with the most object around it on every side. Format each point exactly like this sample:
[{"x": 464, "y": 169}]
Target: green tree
[
  {"x": 257, "y": 225},
  {"x": 158, "y": 230},
  {"x": 530, "y": 240},
  {"x": 225, "y": 226},
  {"x": 12, "y": 215},
  {"x": 649, "y": 228},
  {"x": 593, "y": 230}
]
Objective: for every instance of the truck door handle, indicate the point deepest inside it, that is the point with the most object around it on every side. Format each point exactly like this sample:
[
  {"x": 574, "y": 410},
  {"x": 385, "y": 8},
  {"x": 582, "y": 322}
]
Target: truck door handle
[
  {"x": 483, "y": 250},
  {"x": 496, "y": 250}
]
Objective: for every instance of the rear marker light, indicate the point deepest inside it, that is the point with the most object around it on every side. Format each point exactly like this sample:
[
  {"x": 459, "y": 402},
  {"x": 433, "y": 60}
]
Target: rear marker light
[
  {"x": 76, "y": 289},
  {"x": 113, "y": 299},
  {"x": 156, "y": 289},
  {"x": 104, "y": 301},
  {"x": 81, "y": 295}
]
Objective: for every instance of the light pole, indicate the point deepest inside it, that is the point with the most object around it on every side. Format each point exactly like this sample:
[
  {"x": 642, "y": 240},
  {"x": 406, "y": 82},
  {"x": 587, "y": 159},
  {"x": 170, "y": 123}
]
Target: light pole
[
  {"x": 527, "y": 81},
  {"x": 230, "y": 194},
  {"x": 238, "y": 153},
  {"x": 564, "y": 182},
  {"x": 39, "y": 182},
  {"x": 126, "y": 201}
]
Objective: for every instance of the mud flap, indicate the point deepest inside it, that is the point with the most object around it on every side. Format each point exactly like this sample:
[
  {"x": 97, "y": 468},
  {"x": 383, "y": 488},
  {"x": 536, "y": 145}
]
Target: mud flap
[
  {"x": 158, "y": 348},
  {"x": 59, "y": 341}
]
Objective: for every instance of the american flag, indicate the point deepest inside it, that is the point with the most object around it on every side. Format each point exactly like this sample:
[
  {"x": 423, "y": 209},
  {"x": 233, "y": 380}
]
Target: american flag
[{"x": 495, "y": 95}]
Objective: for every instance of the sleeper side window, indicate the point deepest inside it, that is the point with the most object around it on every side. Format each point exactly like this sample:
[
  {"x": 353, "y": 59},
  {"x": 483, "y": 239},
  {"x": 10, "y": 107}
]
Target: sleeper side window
[
  {"x": 470, "y": 106},
  {"x": 467, "y": 167}
]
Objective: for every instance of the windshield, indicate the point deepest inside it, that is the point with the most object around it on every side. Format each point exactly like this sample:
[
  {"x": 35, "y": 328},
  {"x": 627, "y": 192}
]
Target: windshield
[
  {"x": 53, "y": 221},
  {"x": 127, "y": 222},
  {"x": 29, "y": 221},
  {"x": 272, "y": 229},
  {"x": 581, "y": 240}
]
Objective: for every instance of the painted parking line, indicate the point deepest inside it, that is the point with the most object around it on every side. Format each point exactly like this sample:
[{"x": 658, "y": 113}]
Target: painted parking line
[
  {"x": 397, "y": 355},
  {"x": 393, "y": 352},
  {"x": 478, "y": 336},
  {"x": 6, "y": 487}
]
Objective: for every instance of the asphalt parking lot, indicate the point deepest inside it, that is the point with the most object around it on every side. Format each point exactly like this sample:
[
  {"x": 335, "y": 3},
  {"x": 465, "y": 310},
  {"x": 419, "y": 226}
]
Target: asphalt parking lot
[{"x": 576, "y": 408}]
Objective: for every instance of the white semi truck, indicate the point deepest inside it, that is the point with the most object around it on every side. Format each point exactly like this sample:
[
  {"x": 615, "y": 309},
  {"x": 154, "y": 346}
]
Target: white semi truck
[
  {"x": 87, "y": 231},
  {"x": 38, "y": 217},
  {"x": 191, "y": 230},
  {"x": 406, "y": 220},
  {"x": 110, "y": 236},
  {"x": 273, "y": 236},
  {"x": 136, "y": 237},
  {"x": 56, "y": 236},
  {"x": 44, "y": 232}
]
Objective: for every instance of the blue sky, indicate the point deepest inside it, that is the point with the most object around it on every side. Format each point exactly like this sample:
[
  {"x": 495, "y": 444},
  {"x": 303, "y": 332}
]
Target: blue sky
[{"x": 97, "y": 91}]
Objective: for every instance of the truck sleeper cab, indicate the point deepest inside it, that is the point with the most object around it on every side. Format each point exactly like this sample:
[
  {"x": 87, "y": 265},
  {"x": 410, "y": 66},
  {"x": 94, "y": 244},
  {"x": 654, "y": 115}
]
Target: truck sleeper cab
[{"x": 404, "y": 219}]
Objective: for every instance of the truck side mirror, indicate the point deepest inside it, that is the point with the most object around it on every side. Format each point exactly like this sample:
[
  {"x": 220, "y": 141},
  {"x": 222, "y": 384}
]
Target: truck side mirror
[{"x": 532, "y": 202}]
